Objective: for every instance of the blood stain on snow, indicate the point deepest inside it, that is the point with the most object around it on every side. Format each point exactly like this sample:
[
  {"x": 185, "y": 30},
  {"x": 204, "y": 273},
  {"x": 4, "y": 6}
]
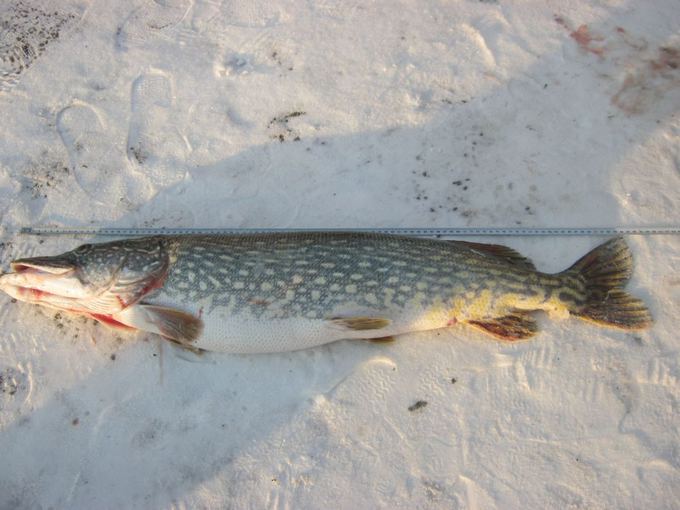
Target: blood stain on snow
[
  {"x": 583, "y": 37},
  {"x": 651, "y": 76},
  {"x": 669, "y": 58},
  {"x": 649, "y": 81}
]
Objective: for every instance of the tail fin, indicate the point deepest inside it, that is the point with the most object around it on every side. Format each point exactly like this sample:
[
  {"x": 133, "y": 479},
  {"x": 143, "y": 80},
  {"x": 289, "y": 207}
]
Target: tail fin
[{"x": 605, "y": 271}]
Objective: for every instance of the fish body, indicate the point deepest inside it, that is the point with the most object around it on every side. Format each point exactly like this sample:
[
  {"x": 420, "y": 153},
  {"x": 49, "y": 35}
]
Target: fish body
[{"x": 288, "y": 291}]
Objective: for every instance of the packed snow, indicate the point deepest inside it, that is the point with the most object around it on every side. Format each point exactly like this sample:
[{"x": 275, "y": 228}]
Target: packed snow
[{"x": 334, "y": 113}]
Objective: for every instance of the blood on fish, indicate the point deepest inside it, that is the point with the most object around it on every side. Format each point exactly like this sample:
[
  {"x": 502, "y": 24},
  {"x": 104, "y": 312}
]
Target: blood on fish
[
  {"x": 32, "y": 293},
  {"x": 154, "y": 284},
  {"x": 151, "y": 286},
  {"x": 38, "y": 294},
  {"x": 110, "y": 321}
]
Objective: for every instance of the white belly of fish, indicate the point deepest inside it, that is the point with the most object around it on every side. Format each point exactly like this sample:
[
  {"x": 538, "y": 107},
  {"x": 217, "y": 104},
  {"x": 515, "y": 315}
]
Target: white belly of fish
[
  {"x": 242, "y": 335},
  {"x": 247, "y": 334},
  {"x": 279, "y": 335},
  {"x": 256, "y": 335}
]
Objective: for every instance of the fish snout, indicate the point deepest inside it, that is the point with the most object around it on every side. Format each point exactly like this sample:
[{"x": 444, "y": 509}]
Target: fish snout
[
  {"x": 53, "y": 265},
  {"x": 36, "y": 285}
]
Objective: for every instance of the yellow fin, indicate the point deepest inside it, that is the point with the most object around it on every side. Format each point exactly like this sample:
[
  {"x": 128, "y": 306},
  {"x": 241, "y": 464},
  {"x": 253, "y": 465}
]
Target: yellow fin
[
  {"x": 361, "y": 323},
  {"x": 618, "y": 310},
  {"x": 605, "y": 270},
  {"x": 517, "y": 326}
]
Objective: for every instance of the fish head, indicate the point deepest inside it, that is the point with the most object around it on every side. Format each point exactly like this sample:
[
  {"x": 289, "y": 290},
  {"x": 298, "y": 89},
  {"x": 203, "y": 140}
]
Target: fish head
[{"x": 99, "y": 278}]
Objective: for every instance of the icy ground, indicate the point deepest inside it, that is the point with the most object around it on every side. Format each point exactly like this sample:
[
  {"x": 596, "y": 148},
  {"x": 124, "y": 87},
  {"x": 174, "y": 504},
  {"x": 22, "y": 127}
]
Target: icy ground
[{"x": 338, "y": 113}]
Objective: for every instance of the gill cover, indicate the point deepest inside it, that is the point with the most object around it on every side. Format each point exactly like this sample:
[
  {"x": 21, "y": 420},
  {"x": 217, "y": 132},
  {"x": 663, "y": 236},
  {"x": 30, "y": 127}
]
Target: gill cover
[{"x": 120, "y": 273}]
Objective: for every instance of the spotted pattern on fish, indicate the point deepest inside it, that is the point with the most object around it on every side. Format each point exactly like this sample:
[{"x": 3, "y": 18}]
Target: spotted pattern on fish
[
  {"x": 278, "y": 292},
  {"x": 314, "y": 273}
]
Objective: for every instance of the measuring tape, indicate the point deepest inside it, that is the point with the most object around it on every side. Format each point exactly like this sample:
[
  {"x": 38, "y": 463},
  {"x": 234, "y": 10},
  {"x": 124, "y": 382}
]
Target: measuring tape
[{"x": 419, "y": 232}]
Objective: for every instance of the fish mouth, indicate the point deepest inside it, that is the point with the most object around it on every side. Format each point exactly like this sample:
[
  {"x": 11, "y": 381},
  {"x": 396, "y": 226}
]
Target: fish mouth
[
  {"x": 51, "y": 265},
  {"x": 44, "y": 282},
  {"x": 22, "y": 293}
]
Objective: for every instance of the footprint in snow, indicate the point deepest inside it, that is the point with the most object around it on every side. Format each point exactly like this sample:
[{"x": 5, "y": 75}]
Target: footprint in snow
[
  {"x": 154, "y": 146},
  {"x": 96, "y": 162},
  {"x": 26, "y": 31},
  {"x": 149, "y": 20},
  {"x": 211, "y": 15}
]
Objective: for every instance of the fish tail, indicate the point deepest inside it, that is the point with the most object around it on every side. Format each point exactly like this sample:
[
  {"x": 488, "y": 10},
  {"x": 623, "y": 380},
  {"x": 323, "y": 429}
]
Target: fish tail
[{"x": 605, "y": 271}]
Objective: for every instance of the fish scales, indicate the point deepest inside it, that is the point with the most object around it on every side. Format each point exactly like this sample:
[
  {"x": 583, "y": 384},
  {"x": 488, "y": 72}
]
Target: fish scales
[
  {"x": 341, "y": 272},
  {"x": 287, "y": 291}
]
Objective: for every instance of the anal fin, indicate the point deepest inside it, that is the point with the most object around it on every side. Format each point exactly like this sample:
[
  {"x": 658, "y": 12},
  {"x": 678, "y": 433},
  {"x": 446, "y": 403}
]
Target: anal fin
[{"x": 517, "y": 326}]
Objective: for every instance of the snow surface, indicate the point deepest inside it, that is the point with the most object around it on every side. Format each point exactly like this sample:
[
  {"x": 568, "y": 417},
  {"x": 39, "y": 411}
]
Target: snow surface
[{"x": 342, "y": 113}]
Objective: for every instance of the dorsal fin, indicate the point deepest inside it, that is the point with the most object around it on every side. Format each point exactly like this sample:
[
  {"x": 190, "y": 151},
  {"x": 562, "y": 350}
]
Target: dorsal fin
[{"x": 502, "y": 252}]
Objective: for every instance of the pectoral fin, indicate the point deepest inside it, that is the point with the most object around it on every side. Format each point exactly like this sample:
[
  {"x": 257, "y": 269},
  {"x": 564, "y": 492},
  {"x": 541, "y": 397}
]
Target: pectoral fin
[
  {"x": 517, "y": 326},
  {"x": 170, "y": 323}
]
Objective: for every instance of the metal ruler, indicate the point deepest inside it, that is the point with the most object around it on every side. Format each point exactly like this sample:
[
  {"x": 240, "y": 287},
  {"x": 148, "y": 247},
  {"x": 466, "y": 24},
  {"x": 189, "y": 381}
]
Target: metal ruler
[{"x": 420, "y": 232}]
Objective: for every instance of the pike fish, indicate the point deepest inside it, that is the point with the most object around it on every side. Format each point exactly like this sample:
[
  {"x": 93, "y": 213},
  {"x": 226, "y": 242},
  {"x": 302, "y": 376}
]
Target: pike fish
[{"x": 279, "y": 292}]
